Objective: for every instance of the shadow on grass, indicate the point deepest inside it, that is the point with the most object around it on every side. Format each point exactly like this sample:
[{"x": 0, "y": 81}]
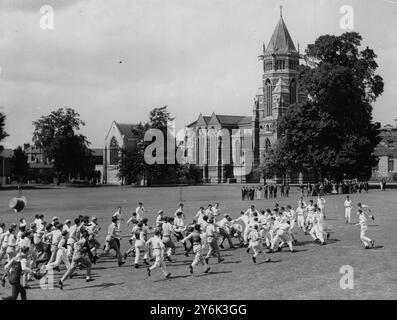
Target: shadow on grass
[
  {"x": 173, "y": 277},
  {"x": 228, "y": 262},
  {"x": 377, "y": 247},
  {"x": 271, "y": 261},
  {"x": 103, "y": 285},
  {"x": 212, "y": 273}
]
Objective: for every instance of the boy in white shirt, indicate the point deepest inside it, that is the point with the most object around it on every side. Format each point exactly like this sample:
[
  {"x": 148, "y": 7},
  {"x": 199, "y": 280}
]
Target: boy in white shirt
[
  {"x": 256, "y": 243},
  {"x": 157, "y": 246},
  {"x": 362, "y": 222},
  {"x": 348, "y": 209}
]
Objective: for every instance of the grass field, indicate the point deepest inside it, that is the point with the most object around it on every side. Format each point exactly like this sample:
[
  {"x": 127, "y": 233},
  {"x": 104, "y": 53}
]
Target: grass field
[{"x": 310, "y": 273}]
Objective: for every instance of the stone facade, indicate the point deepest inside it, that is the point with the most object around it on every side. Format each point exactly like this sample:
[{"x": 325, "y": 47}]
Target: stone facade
[{"x": 225, "y": 146}]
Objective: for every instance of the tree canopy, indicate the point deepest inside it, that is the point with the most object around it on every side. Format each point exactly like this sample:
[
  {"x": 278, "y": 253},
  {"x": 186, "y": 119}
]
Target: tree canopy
[
  {"x": 3, "y": 134},
  {"x": 56, "y": 134},
  {"x": 19, "y": 164},
  {"x": 331, "y": 133}
]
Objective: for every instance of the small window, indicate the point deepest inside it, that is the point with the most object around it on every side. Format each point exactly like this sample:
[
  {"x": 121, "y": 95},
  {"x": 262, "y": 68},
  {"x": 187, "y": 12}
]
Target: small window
[{"x": 390, "y": 164}]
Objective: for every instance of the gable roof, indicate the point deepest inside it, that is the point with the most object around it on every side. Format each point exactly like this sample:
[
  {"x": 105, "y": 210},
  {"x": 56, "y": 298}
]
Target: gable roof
[
  {"x": 281, "y": 41},
  {"x": 126, "y": 129},
  {"x": 206, "y": 120},
  {"x": 226, "y": 120}
]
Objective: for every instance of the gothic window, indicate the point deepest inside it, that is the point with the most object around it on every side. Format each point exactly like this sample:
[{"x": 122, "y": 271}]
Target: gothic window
[
  {"x": 268, "y": 86},
  {"x": 268, "y": 65},
  {"x": 390, "y": 164},
  {"x": 267, "y": 145},
  {"x": 293, "y": 65},
  {"x": 280, "y": 64},
  {"x": 114, "y": 151},
  {"x": 292, "y": 91}
]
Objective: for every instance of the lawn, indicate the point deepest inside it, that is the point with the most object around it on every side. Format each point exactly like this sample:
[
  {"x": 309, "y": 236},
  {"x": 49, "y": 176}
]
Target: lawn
[{"x": 310, "y": 273}]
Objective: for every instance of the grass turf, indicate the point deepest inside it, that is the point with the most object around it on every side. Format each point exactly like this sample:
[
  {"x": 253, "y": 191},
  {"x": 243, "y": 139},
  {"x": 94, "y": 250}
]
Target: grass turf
[{"x": 310, "y": 273}]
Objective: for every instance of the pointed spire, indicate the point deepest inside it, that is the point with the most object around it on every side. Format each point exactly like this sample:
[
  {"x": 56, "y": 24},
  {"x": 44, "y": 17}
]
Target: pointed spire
[{"x": 281, "y": 41}]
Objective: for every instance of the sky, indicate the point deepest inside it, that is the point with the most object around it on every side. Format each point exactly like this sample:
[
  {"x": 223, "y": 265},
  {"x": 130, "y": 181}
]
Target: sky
[{"x": 119, "y": 59}]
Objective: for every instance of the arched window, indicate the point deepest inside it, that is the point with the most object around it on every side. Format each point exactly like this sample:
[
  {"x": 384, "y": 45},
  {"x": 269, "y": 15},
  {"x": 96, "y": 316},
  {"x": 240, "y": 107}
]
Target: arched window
[
  {"x": 268, "y": 86},
  {"x": 114, "y": 151},
  {"x": 292, "y": 91}
]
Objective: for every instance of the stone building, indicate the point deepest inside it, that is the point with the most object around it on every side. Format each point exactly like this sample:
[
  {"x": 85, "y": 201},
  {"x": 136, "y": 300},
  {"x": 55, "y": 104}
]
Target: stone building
[
  {"x": 236, "y": 153},
  {"x": 387, "y": 154},
  {"x": 119, "y": 136}
]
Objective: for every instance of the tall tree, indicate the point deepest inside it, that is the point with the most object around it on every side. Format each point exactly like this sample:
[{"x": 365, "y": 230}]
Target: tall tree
[
  {"x": 332, "y": 133},
  {"x": 19, "y": 165},
  {"x": 56, "y": 134},
  {"x": 3, "y": 134},
  {"x": 131, "y": 165}
]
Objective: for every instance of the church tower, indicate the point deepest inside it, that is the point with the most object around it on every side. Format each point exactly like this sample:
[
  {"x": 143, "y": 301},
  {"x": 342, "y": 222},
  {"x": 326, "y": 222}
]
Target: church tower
[{"x": 279, "y": 88}]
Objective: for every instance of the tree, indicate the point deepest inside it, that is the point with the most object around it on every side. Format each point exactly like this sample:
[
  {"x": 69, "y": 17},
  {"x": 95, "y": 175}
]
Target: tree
[
  {"x": 56, "y": 135},
  {"x": 131, "y": 165},
  {"x": 19, "y": 164},
  {"x": 3, "y": 134},
  {"x": 332, "y": 133}
]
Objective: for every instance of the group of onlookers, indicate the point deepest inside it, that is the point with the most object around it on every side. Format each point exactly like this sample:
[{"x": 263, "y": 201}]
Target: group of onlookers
[
  {"x": 267, "y": 191},
  {"x": 332, "y": 187}
]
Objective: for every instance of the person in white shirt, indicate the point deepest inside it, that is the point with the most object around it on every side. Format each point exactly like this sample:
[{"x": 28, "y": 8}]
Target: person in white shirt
[
  {"x": 216, "y": 210},
  {"x": 244, "y": 220},
  {"x": 140, "y": 211},
  {"x": 256, "y": 243},
  {"x": 348, "y": 209},
  {"x": 56, "y": 236},
  {"x": 195, "y": 237},
  {"x": 157, "y": 246},
  {"x": 2, "y": 227},
  {"x": 290, "y": 217},
  {"x": 11, "y": 250},
  {"x": 362, "y": 222},
  {"x": 66, "y": 225},
  {"x": 4, "y": 243},
  {"x": 318, "y": 226},
  {"x": 250, "y": 211},
  {"x": 199, "y": 215},
  {"x": 74, "y": 236},
  {"x": 113, "y": 240},
  {"x": 168, "y": 231},
  {"x": 61, "y": 255},
  {"x": 281, "y": 233},
  {"x": 321, "y": 204},
  {"x": 159, "y": 219},
  {"x": 180, "y": 209},
  {"x": 118, "y": 216},
  {"x": 212, "y": 240},
  {"x": 225, "y": 226},
  {"x": 140, "y": 245},
  {"x": 300, "y": 215},
  {"x": 209, "y": 212}
]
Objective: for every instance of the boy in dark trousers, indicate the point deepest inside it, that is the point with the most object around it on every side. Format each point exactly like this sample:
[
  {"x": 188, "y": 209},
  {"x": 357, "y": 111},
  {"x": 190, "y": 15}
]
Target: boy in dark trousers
[{"x": 14, "y": 269}]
